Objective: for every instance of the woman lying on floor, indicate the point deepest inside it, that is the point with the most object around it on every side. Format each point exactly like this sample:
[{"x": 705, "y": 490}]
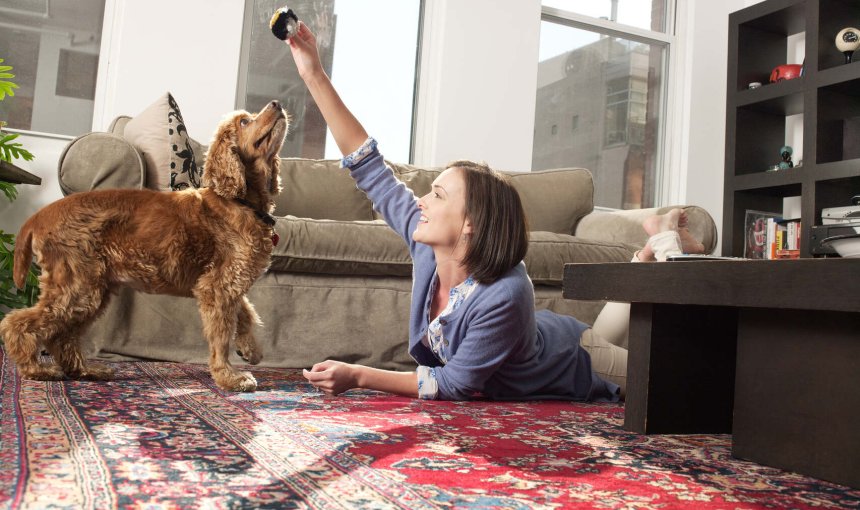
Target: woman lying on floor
[{"x": 473, "y": 328}]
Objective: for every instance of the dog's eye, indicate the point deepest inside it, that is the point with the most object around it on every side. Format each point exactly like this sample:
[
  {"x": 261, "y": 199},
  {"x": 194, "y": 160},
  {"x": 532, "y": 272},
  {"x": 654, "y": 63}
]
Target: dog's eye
[{"x": 244, "y": 122}]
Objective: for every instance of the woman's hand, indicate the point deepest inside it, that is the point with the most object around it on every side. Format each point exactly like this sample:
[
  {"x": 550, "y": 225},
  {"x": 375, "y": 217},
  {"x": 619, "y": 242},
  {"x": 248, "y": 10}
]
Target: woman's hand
[
  {"x": 332, "y": 377},
  {"x": 305, "y": 52}
]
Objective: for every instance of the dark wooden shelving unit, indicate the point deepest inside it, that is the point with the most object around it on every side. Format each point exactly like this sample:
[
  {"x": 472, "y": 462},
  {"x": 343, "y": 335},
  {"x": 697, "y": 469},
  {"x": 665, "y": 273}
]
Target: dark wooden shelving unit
[{"x": 827, "y": 95}]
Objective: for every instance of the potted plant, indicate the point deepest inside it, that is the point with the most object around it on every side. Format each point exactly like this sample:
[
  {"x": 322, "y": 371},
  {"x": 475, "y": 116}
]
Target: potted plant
[{"x": 10, "y": 296}]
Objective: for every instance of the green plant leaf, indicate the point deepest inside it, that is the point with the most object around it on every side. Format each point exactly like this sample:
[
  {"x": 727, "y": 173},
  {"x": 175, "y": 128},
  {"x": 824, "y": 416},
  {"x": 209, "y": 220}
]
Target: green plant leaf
[
  {"x": 7, "y": 88},
  {"x": 11, "y": 193},
  {"x": 10, "y": 296},
  {"x": 13, "y": 150}
]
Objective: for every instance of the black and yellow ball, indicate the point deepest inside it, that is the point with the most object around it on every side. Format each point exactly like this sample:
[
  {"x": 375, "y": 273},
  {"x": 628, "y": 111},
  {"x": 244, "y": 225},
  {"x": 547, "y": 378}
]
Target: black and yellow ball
[{"x": 284, "y": 23}]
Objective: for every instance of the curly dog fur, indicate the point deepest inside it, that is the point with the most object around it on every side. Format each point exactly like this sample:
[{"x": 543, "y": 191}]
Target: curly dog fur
[{"x": 208, "y": 243}]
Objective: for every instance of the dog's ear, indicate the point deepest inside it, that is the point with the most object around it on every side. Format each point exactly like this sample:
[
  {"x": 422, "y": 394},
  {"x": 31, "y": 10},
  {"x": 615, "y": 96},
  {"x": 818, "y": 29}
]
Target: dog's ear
[
  {"x": 224, "y": 171},
  {"x": 275, "y": 179}
]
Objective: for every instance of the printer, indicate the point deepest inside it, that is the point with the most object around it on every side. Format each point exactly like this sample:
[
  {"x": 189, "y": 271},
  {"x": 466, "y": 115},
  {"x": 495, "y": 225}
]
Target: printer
[{"x": 835, "y": 221}]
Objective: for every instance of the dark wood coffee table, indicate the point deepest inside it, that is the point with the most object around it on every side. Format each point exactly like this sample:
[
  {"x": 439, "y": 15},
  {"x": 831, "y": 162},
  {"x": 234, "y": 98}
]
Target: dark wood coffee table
[{"x": 768, "y": 351}]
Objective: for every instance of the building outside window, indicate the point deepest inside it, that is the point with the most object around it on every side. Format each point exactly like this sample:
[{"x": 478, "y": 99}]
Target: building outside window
[
  {"x": 375, "y": 78},
  {"x": 53, "y": 47},
  {"x": 604, "y": 64}
]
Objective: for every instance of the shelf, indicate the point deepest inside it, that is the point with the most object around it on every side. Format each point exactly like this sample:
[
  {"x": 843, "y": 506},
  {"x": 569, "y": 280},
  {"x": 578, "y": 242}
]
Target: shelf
[
  {"x": 838, "y": 122},
  {"x": 16, "y": 175},
  {"x": 777, "y": 179},
  {"x": 834, "y": 15},
  {"x": 785, "y": 97},
  {"x": 760, "y": 121},
  {"x": 759, "y": 38},
  {"x": 838, "y": 170},
  {"x": 839, "y": 74}
]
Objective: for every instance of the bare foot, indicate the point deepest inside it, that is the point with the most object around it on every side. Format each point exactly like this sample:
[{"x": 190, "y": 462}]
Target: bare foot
[
  {"x": 690, "y": 244},
  {"x": 675, "y": 219},
  {"x": 663, "y": 222}
]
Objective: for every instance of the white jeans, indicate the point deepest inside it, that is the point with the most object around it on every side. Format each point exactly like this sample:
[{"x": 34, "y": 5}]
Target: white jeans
[{"x": 606, "y": 341}]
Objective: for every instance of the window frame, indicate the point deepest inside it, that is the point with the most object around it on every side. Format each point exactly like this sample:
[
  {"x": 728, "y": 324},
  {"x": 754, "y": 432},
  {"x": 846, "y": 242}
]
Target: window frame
[
  {"x": 666, "y": 40},
  {"x": 245, "y": 56}
]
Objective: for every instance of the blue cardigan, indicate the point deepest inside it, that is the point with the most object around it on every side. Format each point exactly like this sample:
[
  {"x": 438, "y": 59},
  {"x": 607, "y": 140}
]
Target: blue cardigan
[{"x": 499, "y": 347}]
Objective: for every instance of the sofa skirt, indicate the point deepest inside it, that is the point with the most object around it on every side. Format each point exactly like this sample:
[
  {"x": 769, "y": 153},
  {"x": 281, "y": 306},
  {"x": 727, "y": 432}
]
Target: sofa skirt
[{"x": 306, "y": 319}]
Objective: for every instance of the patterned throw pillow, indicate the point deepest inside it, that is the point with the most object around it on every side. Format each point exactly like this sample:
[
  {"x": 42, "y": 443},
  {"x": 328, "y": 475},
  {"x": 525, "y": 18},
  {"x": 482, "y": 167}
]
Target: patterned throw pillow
[{"x": 159, "y": 133}]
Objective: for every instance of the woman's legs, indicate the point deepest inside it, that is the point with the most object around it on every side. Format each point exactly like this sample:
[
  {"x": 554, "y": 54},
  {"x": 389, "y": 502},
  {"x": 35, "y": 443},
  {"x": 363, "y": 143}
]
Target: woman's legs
[
  {"x": 607, "y": 360},
  {"x": 608, "y": 335}
]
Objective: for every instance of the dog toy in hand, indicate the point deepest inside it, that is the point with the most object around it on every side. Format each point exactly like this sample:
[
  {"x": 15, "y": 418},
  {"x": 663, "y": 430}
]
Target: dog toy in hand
[{"x": 284, "y": 23}]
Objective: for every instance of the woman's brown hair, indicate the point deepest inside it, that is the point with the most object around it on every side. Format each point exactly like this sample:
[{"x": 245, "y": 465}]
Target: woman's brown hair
[{"x": 499, "y": 239}]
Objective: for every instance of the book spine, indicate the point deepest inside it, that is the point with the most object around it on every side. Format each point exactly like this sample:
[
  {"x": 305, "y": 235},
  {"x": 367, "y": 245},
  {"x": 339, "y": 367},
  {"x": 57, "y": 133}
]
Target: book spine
[{"x": 771, "y": 238}]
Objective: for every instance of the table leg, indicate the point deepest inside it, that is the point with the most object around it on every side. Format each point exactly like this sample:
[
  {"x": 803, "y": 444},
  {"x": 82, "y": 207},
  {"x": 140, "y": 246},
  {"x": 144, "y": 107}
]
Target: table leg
[
  {"x": 797, "y": 404},
  {"x": 681, "y": 369}
]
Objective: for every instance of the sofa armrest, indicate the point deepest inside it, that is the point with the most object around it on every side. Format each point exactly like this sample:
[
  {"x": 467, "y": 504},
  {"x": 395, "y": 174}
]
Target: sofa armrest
[
  {"x": 549, "y": 252},
  {"x": 625, "y": 226},
  {"x": 100, "y": 161}
]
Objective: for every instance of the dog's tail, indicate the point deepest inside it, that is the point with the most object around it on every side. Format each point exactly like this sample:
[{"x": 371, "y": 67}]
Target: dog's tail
[{"x": 23, "y": 254}]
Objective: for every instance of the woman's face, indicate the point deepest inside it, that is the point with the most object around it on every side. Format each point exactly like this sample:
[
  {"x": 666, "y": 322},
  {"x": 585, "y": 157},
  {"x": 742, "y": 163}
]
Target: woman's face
[{"x": 443, "y": 211}]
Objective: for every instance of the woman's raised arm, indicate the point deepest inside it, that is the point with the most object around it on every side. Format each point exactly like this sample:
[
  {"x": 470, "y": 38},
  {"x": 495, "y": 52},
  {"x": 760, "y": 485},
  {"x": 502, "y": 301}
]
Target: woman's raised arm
[{"x": 347, "y": 131}]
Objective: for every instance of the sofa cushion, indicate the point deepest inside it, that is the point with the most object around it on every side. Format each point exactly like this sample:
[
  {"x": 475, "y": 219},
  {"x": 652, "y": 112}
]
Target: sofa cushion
[
  {"x": 361, "y": 248},
  {"x": 549, "y": 252},
  {"x": 318, "y": 188},
  {"x": 555, "y": 200},
  {"x": 159, "y": 133},
  {"x": 99, "y": 161},
  {"x": 371, "y": 248}
]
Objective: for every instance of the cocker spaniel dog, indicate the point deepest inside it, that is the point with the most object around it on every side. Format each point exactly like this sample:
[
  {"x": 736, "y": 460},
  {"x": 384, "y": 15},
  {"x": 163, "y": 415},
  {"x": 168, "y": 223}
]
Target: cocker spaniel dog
[{"x": 210, "y": 243}]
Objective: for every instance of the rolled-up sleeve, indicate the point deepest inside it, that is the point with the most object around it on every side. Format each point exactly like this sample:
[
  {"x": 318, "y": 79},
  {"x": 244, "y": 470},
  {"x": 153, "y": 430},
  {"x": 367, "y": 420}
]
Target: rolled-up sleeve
[{"x": 428, "y": 387}]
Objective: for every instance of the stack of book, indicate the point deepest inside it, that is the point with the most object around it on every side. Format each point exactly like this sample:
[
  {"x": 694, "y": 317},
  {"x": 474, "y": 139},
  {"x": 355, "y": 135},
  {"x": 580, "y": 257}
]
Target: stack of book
[
  {"x": 783, "y": 238},
  {"x": 769, "y": 236}
]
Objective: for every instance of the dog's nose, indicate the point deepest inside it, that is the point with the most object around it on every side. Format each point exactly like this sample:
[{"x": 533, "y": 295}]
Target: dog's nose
[{"x": 276, "y": 104}]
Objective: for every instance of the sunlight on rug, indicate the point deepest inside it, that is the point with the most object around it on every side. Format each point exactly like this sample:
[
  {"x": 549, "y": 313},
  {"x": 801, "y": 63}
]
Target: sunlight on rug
[{"x": 163, "y": 436}]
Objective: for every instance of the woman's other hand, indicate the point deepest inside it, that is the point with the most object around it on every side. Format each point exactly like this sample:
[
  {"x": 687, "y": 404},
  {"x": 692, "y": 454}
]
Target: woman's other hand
[{"x": 332, "y": 377}]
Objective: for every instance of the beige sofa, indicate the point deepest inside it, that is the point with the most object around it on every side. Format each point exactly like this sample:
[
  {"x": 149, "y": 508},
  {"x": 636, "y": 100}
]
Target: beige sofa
[{"x": 339, "y": 283}]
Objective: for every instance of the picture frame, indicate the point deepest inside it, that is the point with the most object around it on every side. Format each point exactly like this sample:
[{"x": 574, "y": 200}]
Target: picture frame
[{"x": 755, "y": 233}]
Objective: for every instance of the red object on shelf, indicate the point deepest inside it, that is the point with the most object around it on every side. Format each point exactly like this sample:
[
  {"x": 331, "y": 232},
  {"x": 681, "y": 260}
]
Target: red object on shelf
[{"x": 785, "y": 72}]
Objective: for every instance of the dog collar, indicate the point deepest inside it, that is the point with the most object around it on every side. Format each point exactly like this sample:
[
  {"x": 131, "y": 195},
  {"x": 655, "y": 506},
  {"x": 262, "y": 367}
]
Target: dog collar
[{"x": 266, "y": 218}]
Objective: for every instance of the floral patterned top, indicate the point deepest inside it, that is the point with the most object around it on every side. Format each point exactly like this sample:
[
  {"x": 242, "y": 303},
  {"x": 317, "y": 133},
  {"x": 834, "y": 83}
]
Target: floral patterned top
[{"x": 428, "y": 388}]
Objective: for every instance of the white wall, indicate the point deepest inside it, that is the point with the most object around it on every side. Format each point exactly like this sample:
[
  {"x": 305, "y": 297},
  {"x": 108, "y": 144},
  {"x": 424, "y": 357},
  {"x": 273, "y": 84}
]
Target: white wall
[
  {"x": 478, "y": 82},
  {"x": 699, "y": 162},
  {"x": 193, "y": 53},
  {"x": 476, "y": 94}
]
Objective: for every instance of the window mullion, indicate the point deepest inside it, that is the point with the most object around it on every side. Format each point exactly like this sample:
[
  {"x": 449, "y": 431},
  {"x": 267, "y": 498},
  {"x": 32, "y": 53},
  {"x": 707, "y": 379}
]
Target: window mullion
[{"x": 611, "y": 28}]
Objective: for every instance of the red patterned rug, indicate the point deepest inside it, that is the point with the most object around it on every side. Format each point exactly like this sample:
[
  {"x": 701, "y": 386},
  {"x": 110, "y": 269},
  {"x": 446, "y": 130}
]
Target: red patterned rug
[{"x": 163, "y": 436}]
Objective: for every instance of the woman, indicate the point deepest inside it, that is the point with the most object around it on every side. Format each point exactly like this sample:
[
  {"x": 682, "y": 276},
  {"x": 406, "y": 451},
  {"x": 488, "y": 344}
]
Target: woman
[{"x": 473, "y": 328}]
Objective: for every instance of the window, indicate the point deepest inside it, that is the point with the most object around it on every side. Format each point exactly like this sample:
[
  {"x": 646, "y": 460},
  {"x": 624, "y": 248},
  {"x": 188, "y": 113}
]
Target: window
[
  {"x": 53, "y": 47},
  {"x": 375, "y": 78},
  {"x": 603, "y": 63}
]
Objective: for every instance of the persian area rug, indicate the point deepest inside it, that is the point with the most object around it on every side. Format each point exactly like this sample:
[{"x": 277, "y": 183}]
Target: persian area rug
[{"x": 162, "y": 435}]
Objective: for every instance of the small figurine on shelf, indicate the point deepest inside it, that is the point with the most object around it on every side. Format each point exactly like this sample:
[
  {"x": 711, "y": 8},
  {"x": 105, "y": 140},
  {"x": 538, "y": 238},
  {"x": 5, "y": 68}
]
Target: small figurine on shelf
[
  {"x": 847, "y": 41},
  {"x": 785, "y": 152}
]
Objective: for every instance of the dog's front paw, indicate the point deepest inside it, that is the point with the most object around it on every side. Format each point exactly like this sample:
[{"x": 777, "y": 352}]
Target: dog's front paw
[
  {"x": 42, "y": 372},
  {"x": 236, "y": 381},
  {"x": 248, "y": 349},
  {"x": 97, "y": 372},
  {"x": 250, "y": 357}
]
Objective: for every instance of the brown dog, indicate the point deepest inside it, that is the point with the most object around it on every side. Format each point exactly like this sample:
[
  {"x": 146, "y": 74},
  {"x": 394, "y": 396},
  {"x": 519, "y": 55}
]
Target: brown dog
[{"x": 210, "y": 243}]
